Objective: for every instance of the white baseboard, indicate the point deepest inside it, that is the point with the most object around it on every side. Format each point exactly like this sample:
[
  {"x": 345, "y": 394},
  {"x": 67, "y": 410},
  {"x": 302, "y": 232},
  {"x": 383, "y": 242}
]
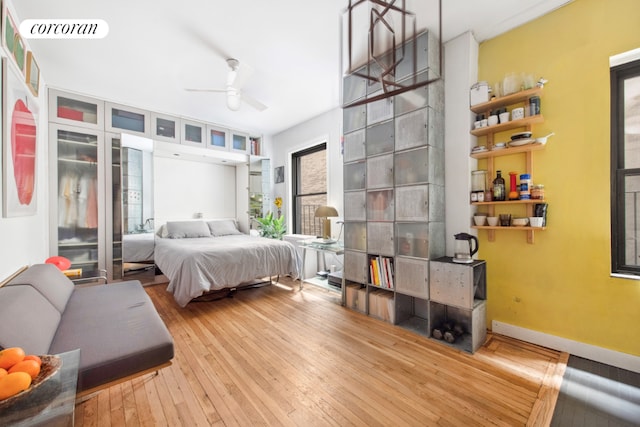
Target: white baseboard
[{"x": 587, "y": 351}]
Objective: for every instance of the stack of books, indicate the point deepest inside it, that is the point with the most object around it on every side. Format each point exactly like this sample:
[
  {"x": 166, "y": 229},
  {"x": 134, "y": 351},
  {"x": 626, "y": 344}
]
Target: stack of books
[{"x": 381, "y": 270}]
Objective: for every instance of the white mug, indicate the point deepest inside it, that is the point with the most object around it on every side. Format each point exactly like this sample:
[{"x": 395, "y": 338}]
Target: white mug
[
  {"x": 493, "y": 120},
  {"x": 504, "y": 117}
]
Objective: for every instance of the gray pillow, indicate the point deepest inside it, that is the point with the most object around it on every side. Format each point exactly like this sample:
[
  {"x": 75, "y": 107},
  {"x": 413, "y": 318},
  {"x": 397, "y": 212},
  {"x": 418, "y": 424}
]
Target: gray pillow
[
  {"x": 185, "y": 229},
  {"x": 223, "y": 227}
]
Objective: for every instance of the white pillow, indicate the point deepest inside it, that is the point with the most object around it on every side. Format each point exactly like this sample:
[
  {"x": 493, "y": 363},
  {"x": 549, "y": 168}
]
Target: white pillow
[
  {"x": 223, "y": 227},
  {"x": 187, "y": 229}
]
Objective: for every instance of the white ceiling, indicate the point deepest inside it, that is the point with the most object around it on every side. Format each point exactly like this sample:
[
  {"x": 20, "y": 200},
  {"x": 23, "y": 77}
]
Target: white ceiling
[{"x": 157, "y": 48}]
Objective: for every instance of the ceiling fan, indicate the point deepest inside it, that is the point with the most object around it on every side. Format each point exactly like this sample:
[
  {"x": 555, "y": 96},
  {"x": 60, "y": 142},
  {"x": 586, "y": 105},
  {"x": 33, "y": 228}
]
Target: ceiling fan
[{"x": 236, "y": 78}]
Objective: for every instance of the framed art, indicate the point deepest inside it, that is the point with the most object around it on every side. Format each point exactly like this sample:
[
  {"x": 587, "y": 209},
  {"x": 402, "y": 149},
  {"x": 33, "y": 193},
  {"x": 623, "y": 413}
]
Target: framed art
[
  {"x": 279, "y": 174},
  {"x": 12, "y": 40},
  {"x": 33, "y": 74},
  {"x": 19, "y": 148},
  {"x": 9, "y": 33}
]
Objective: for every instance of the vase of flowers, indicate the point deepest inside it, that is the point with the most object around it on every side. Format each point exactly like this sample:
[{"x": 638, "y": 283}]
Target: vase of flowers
[{"x": 278, "y": 203}]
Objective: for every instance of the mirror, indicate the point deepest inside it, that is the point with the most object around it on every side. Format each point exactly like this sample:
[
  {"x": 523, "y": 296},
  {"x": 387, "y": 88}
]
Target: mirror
[
  {"x": 259, "y": 188},
  {"x": 137, "y": 208}
]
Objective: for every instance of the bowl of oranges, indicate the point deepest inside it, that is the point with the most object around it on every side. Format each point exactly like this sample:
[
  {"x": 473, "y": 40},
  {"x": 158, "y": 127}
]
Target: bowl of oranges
[{"x": 21, "y": 373}]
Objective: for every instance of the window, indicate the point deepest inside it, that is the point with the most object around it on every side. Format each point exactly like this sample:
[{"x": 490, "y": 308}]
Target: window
[
  {"x": 309, "y": 171},
  {"x": 625, "y": 168}
]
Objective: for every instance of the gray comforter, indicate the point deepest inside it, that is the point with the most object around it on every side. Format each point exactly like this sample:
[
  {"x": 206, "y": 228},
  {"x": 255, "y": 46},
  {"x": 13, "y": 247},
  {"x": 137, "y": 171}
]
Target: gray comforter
[{"x": 198, "y": 265}]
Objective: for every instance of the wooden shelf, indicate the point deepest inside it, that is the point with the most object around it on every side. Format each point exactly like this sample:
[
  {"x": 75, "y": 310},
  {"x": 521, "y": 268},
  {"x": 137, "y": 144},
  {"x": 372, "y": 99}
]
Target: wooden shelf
[
  {"x": 512, "y": 227},
  {"x": 491, "y": 230},
  {"x": 508, "y": 151},
  {"x": 513, "y": 124},
  {"x": 506, "y": 202},
  {"x": 489, "y": 155},
  {"x": 503, "y": 101}
]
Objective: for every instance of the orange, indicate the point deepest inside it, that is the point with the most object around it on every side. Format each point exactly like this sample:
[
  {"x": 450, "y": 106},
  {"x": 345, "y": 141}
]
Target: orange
[
  {"x": 33, "y": 357},
  {"x": 31, "y": 367},
  {"x": 11, "y": 356},
  {"x": 3, "y": 372},
  {"x": 14, "y": 383}
]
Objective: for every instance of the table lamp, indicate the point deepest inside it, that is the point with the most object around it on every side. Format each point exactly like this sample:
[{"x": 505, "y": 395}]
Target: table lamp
[{"x": 326, "y": 212}]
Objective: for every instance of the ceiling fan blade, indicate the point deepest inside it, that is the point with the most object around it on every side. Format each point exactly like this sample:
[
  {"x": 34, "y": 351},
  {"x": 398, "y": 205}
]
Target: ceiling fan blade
[
  {"x": 254, "y": 102},
  {"x": 242, "y": 74},
  {"x": 206, "y": 90}
]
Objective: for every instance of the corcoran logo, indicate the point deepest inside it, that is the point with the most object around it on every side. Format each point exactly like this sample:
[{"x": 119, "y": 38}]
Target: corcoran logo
[{"x": 64, "y": 29}]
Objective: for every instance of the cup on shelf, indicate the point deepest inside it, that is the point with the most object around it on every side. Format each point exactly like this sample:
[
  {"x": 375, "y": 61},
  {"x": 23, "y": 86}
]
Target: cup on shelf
[
  {"x": 536, "y": 221},
  {"x": 492, "y": 220},
  {"x": 479, "y": 219},
  {"x": 505, "y": 220},
  {"x": 484, "y": 123},
  {"x": 493, "y": 120},
  {"x": 504, "y": 117},
  {"x": 517, "y": 113}
]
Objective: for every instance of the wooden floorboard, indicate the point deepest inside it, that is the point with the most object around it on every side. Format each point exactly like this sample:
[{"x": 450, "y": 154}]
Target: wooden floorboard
[{"x": 280, "y": 356}]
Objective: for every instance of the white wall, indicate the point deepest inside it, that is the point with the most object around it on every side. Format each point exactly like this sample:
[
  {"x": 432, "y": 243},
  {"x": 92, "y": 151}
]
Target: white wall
[
  {"x": 185, "y": 187},
  {"x": 460, "y": 72},
  {"x": 25, "y": 240},
  {"x": 327, "y": 128}
]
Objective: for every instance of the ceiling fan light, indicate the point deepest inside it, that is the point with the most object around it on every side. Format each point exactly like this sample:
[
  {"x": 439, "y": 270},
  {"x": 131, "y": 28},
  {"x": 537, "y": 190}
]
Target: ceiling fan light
[{"x": 233, "y": 100}]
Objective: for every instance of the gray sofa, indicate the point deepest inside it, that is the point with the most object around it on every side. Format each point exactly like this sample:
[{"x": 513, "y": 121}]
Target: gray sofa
[{"x": 115, "y": 326}]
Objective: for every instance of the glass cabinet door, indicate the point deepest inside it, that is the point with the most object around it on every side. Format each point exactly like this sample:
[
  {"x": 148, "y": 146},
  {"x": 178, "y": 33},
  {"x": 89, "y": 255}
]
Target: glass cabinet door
[
  {"x": 411, "y": 167},
  {"x": 165, "y": 128},
  {"x": 355, "y": 235},
  {"x": 380, "y": 238},
  {"x": 193, "y": 133},
  {"x": 354, "y": 118},
  {"x": 413, "y": 203},
  {"x": 354, "y": 146},
  {"x": 380, "y": 138},
  {"x": 412, "y": 129},
  {"x": 413, "y": 100},
  {"x": 379, "y": 111},
  {"x": 413, "y": 239},
  {"x": 355, "y": 206},
  {"x": 79, "y": 222},
  {"x": 354, "y": 86},
  {"x": 380, "y": 205},
  {"x": 76, "y": 110},
  {"x": 217, "y": 138},
  {"x": 380, "y": 171},
  {"x": 124, "y": 118},
  {"x": 354, "y": 176},
  {"x": 239, "y": 142},
  {"x": 356, "y": 267},
  {"x": 114, "y": 207}
]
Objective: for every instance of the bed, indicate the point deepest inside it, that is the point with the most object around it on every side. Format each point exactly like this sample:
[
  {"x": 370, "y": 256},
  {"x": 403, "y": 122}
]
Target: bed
[
  {"x": 138, "y": 247},
  {"x": 199, "y": 257}
]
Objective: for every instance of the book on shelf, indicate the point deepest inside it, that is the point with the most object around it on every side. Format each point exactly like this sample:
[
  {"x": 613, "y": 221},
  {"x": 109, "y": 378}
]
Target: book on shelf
[{"x": 381, "y": 271}]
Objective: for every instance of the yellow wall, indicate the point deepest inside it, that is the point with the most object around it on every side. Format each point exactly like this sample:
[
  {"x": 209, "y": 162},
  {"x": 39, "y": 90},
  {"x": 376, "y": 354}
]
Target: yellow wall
[{"x": 561, "y": 284}]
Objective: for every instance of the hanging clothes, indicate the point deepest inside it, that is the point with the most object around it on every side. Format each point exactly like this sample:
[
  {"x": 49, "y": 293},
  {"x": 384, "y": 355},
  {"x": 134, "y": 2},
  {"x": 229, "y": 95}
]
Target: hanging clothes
[
  {"x": 92, "y": 205},
  {"x": 83, "y": 196}
]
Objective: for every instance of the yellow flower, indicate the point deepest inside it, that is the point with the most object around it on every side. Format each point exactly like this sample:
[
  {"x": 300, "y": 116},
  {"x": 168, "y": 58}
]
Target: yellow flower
[{"x": 278, "y": 202}]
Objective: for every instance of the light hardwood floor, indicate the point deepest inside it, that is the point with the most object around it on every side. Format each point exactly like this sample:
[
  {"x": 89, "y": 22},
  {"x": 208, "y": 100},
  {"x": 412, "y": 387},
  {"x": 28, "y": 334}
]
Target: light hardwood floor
[{"x": 273, "y": 356}]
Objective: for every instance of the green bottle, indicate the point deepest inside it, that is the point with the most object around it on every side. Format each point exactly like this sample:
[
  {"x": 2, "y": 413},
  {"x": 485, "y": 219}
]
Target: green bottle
[{"x": 498, "y": 188}]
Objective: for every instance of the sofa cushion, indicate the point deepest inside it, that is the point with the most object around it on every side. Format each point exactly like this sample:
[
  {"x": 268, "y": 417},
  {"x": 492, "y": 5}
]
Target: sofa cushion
[
  {"x": 27, "y": 319},
  {"x": 118, "y": 330},
  {"x": 49, "y": 281}
]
